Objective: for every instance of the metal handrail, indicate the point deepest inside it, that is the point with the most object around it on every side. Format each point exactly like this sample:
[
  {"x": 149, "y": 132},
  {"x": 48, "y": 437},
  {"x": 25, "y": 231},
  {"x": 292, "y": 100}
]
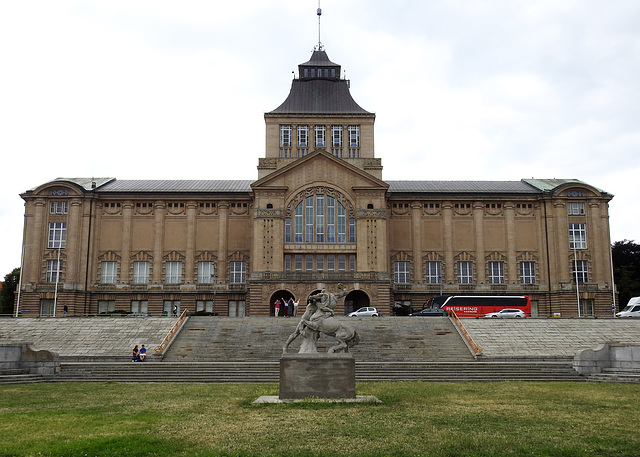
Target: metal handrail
[
  {"x": 175, "y": 328},
  {"x": 475, "y": 347}
]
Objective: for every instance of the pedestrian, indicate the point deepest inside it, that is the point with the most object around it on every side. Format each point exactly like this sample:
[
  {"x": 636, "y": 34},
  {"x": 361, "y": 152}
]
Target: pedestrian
[
  {"x": 286, "y": 307},
  {"x": 277, "y": 307},
  {"x": 295, "y": 307},
  {"x": 65, "y": 309},
  {"x": 175, "y": 311}
]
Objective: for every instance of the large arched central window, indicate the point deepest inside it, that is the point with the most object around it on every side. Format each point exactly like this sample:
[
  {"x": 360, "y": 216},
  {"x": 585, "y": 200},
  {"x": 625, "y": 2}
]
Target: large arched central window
[{"x": 320, "y": 215}]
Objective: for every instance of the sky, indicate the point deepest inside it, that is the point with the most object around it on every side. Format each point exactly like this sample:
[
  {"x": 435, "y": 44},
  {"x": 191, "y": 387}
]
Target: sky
[{"x": 461, "y": 89}]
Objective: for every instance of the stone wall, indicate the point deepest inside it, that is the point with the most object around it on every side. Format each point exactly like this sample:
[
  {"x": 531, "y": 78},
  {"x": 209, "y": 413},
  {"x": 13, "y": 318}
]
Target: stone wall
[
  {"x": 615, "y": 356},
  {"x": 22, "y": 356}
]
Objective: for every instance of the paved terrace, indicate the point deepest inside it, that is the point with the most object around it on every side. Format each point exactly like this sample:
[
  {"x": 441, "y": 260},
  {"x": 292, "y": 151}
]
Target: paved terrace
[
  {"x": 561, "y": 338},
  {"x": 100, "y": 337}
]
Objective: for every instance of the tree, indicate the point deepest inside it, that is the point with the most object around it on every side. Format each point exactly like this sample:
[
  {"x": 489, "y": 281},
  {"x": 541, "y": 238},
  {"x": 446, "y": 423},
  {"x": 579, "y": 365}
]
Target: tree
[
  {"x": 7, "y": 294},
  {"x": 626, "y": 269}
]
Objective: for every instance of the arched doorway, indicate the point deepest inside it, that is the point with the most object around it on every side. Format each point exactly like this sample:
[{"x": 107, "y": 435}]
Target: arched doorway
[
  {"x": 283, "y": 296},
  {"x": 354, "y": 300}
]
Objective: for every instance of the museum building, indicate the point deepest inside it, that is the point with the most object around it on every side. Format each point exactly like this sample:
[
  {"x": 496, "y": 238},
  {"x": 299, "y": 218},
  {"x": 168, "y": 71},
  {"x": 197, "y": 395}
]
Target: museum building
[{"x": 318, "y": 214}]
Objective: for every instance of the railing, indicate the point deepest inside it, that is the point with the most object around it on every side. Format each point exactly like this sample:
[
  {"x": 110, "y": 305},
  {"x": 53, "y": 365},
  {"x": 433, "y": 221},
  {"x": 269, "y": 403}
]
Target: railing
[
  {"x": 159, "y": 350},
  {"x": 477, "y": 349}
]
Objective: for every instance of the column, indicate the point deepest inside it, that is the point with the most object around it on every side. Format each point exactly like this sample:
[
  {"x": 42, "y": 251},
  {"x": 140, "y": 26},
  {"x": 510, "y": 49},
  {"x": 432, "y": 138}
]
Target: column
[
  {"x": 478, "y": 219},
  {"x": 158, "y": 246}
]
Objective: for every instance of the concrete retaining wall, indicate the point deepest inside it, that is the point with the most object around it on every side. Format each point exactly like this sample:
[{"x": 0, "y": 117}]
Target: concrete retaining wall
[
  {"x": 615, "y": 356},
  {"x": 23, "y": 356}
]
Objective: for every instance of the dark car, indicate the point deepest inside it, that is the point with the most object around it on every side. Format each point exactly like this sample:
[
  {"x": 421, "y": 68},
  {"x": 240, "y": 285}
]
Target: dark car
[{"x": 430, "y": 312}]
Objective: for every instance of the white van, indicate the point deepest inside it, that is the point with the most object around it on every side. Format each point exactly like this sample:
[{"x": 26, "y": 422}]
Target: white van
[{"x": 632, "y": 309}]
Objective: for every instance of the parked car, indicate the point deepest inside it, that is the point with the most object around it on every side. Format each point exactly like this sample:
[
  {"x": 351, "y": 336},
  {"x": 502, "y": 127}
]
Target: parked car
[
  {"x": 432, "y": 311},
  {"x": 507, "y": 313},
  {"x": 632, "y": 309},
  {"x": 366, "y": 311}
]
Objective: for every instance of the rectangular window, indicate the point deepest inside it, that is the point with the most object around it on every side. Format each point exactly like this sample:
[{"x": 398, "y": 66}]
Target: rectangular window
[
  {"x": 57, "y": 235},
  {"x": 106, "y": 306},
  {"x": 401, "y": 272},
  {"x": 206, "y": 272},
  {"x": 298, "y": 224},
  {"x": 527, "y": 273},
  {"x": 331, "y": 263},
  {"x": 287, "y": 230},
  {"x": 331, "y": 220},
  {"x": 320, "y": 218},
  {"x": 237, "y": 272},
  {"x": 342, "y": 224},
  {"x": 580, "y": 271},
  {"x": 54, "y": 267},
  {"x": 342, "y": 262},
  {"x": 308, "y": 220},
  {"x": 205, "y": 306},
  {"x": 352, "y": 230},
  {"x": 173, "y": 273},
  {"x": 297, "y": 262},
  {"x": 354, "y": 136},
  {"x": 285, "y": 135},
  {"x": 141, "y": 272},
  {"x": 308, "y": 262},
  {"x": 352, "y": 262},
  {"x": 287, "y": 262},
  {"x": 47, "y": 308},
  {"x": 433, "y": 272},
  {"x": 320, "y": 263},
  {"x": 320, "y": 131},
  {"x": 58, "y": 207},
  {"x": 139, "y": 306},
  {"x": 171, "y": 308},
  {"x": 108, "y": 272},
  {"x": 496, "y": 272},
  {"x": 577, "y": 236},
  {"x": 465, "y": 272},
  {"x": 336, "y": 135},
  {"x": 586, "y": 307},
  {"x": 303, "y": 135},
  {"x": 575, "y": 209}
]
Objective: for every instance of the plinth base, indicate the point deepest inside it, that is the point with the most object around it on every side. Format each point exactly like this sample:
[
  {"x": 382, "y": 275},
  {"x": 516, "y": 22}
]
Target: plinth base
[{"x": 317, "y": 375}]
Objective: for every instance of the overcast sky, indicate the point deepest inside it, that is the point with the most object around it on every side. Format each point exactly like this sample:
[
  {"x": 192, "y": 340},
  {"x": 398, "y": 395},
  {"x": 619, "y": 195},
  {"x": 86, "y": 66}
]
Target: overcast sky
[{"x": 462, "y": 90}]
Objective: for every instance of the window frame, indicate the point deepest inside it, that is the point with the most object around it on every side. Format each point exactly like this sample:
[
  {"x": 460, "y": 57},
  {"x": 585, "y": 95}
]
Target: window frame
[
  {"x": 464, "y": 270},
  {"x": 402, "y": 272},
  {"x": 577, "y": 235},
  {"x": 108, "y": 272},
  {"x": 57, "y": 235},
  {"x": 433, "y": 272},
  {"x": 496, "y": 272}
]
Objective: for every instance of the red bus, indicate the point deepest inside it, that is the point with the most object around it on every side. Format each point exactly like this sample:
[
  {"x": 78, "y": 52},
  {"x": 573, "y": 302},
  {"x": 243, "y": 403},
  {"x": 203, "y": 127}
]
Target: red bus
[{"x": 479, "y": 305}]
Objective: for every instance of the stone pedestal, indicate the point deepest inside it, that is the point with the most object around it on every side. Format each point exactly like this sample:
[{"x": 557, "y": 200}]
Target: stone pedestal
[{"x": 318, "y": 375}]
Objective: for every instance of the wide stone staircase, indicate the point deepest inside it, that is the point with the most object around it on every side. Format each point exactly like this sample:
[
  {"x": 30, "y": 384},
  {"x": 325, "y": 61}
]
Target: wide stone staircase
[{"x": 210, "y": 349}]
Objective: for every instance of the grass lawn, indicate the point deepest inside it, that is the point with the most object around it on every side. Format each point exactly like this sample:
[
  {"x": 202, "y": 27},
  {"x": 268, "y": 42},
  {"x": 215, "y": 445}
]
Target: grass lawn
[{"x": 414, "y": 419}]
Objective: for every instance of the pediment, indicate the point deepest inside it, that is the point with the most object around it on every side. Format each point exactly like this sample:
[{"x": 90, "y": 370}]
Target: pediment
[{"x": 322, "y": 168}]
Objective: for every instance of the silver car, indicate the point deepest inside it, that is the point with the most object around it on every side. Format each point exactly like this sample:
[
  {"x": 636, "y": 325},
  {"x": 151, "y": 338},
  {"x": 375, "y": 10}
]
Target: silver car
[
  {"x": 366, "y": 311},
  {"x": 507, "y": 313}
]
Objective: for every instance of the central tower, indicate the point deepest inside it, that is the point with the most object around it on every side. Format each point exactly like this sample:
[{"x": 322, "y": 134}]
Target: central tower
[{"x": 319, "y": 114}]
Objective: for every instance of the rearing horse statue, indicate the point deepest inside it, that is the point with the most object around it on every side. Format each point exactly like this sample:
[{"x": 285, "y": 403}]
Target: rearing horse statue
[{"x": 319, "y": 318}]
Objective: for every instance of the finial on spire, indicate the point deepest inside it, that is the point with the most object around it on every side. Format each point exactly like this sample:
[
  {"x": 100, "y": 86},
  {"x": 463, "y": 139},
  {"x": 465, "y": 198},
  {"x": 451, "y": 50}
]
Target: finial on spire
[{"x": 319, "y": 46}]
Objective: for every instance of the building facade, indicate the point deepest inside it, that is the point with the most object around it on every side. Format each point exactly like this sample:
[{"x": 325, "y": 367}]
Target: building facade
[{"x": 318, "y": 214}]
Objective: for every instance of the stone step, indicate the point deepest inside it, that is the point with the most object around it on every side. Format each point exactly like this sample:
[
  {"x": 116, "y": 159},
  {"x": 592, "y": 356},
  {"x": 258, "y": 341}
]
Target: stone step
[
  {"x": 269, "y": 372},
  {"x": 9, "y": 379},
  {"x": 388, "y": 339}
]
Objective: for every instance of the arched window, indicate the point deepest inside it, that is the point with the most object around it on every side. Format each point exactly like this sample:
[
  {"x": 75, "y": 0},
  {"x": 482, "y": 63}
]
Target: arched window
[{"x": 319, "y": 218}]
